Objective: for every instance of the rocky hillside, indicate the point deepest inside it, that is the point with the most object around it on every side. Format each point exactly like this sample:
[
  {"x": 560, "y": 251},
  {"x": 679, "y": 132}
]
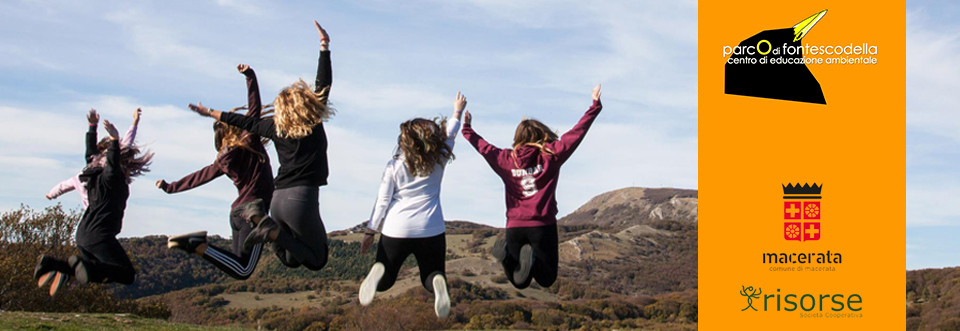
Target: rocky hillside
[
  {"x": 634, "y": 206},
  {"x": 933, "y": 299}
]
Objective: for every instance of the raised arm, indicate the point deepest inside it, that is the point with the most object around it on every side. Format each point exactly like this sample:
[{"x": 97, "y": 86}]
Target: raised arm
[
  {"x": 131, "y": 135},
  {"x": 255, "y": 125},
  {"x": 453, "y": 126},
  {"x": 571, "y": 139},
  {"x": 487, "y": 150},
  {"x": 192, "y": 180},
  {"x": 91, "y": 143},
  {"x": 254, "y": 105},
  {"x": 324, "y": 69}
]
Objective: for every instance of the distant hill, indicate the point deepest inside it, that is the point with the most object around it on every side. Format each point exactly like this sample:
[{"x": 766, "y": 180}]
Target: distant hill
[{"x": 634, "y": 206}]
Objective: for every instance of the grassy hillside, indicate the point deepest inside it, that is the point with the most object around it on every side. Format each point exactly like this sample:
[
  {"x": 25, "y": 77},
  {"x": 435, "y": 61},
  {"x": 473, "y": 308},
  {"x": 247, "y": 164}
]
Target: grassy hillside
[
  {"x": 84, "y": 322},
  {"x": 628, "y": 260}
]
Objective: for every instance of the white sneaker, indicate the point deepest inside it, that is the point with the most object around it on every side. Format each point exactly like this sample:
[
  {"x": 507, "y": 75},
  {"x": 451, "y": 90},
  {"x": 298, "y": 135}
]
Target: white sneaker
[
  {"x": 368, "y": 288},
  {"x": 441, "y": 303}
]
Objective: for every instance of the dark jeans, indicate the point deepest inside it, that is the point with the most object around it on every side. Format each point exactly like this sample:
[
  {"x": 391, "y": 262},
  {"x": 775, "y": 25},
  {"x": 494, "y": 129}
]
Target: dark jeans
[
  {"x": 239, "y": 264},
  {"x": 106, "y": 262},
  {"x": 430, "y": 253},
  {"x": 302, "y": 239},
  {"x": 543, "y": 239}
]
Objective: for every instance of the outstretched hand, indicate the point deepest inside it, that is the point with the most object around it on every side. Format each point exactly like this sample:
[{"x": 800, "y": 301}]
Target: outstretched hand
[
  {"x": 596, "y": 93},
  {"x": 136, "y": 116},
  {"x": 92, "y": 117},
  {"x": 242, "y": 68},
  {"x": 467, "y": 118},
  {"x": 324, "y": 37},
  {"x": 111, "y": 130},
  {"x": 459, "y": 104},
  {"x": 161, "y": 184},
  {"x": 366, "y": 243},
  {"x": 200, "y": 109}
]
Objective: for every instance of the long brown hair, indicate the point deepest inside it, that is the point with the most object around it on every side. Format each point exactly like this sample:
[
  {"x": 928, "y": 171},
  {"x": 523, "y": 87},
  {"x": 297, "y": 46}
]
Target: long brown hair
[
  {"x": 531, "y": 132},
  {"x": 298, "y": 109},
  {"x": 133, "y": 161},
  {"x": 423, "y": 143},
  {"x": 227, "y": 136}
]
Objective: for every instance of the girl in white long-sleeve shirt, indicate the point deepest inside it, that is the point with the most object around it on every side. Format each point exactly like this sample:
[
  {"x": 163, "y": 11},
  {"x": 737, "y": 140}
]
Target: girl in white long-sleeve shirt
[{"x": 408, "y": 209}]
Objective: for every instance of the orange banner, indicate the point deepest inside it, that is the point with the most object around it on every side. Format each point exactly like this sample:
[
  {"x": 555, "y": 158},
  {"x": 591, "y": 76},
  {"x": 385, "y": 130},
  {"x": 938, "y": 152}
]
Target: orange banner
[{"x": 802, "y": 171}]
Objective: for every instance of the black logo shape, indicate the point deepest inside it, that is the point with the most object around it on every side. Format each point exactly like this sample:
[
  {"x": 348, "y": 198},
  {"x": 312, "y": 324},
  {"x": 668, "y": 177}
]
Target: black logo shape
[
  {"x": 806, "y": 191},
  {"x": 793, "y": 82}
]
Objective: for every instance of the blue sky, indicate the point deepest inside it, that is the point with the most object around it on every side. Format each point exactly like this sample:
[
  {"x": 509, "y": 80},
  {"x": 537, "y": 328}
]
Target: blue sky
[
  {"x": 933, "y": 134},
  {"x": 392, "y": 61}
]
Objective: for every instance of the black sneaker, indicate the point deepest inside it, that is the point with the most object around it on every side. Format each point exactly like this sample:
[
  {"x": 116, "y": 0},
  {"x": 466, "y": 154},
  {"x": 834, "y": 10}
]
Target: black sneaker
[
  {"x": 260, "y": 234},
  {"x": 251, "y": 211},
  {"x": 188, "y": 242},
  {"x": 45, "y": 265},
  {"x": 79, "y": 269},
  {"x": 526, "y": 263},
  {"x": 499, "y": 249}
]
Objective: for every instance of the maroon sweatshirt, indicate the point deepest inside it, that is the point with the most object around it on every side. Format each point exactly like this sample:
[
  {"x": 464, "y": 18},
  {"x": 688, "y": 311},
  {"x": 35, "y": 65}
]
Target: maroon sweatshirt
[
  {"x": 529, "y": 175},
  {"x": 250, "y": 171}
]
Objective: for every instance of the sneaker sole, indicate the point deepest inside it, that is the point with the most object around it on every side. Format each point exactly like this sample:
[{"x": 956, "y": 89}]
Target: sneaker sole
[
  {"x": 368, "y": 288},
  {"x": 171, "y": 242},
  {"x": 441, "y": 301},
  {"x": 526, "y": 262},
  {"x": 46, "y": 278},
  {"x": 80, "y": 271},
  {"x": 59, "y": 282}
]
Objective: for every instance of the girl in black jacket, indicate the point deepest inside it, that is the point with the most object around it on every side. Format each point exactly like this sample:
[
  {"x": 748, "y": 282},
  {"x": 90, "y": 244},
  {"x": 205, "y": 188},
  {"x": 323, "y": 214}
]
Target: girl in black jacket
[
  {"x": 102, "y": 259},
  {"x": 297, "y": 132}
]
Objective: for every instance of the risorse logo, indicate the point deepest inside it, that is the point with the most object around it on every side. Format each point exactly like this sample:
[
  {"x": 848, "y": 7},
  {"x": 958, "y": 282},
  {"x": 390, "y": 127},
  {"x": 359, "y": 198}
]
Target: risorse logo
[{"x": 804, "y": 302}]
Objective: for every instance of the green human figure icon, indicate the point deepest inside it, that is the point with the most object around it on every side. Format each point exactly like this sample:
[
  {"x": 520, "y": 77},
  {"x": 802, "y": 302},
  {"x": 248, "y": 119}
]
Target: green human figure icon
[{"x": 750, "y": 293}]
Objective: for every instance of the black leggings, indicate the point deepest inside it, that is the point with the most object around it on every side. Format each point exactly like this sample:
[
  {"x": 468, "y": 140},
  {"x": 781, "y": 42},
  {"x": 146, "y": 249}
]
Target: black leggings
[
  {"x": 106, "y": 262},
  {"x": 430, "y": 253},
  {"x": 302, "y": 239},
  {"x": 543, "y": 239},
  {"x": 239, "y": 264}
]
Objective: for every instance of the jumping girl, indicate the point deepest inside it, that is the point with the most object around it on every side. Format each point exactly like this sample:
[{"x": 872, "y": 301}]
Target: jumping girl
[
  {"x": 408, "y": 208},
  {"x": 242, "y": 157},
  {"x": 93, "y": 148},
  {"x": 297, "y": 133},
  {"x": 102, "y": 259},
  {"x": 529, "y": 173}
]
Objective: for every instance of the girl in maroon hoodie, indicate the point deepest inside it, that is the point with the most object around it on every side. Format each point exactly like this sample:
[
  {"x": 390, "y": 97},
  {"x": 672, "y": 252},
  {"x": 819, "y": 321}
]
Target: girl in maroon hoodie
[
  {"x": 529, "y": 172},
  {"x": 242, "y": 157}
]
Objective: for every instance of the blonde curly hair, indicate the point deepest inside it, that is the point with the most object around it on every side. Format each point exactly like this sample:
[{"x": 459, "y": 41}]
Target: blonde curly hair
[{"x": 297, "y": 109}]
